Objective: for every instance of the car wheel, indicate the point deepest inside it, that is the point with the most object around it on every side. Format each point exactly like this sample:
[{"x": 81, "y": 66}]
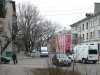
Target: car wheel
[
  {"x": 57, "y": 63},
  {"x": 6, "y": 62},
  {"x": 94, "y": 62},
  {"x": 83, "y": 61},
  {"x": 69, "y": 64}
]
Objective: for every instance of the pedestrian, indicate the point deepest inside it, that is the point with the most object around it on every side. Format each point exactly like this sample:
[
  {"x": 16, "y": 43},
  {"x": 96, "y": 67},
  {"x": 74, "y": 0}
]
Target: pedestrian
[{"x": 14, "y": 57}]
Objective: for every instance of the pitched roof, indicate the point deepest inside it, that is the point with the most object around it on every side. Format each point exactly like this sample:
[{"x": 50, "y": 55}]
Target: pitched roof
[{"x": 86, "y": 18}]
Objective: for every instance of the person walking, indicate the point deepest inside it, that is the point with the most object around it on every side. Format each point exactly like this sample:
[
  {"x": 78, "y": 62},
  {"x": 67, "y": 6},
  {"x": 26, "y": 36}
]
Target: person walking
[{"x": 14, "y": 57}]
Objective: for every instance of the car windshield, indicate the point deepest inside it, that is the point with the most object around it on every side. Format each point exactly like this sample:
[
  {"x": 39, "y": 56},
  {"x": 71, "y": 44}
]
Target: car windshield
[
  {"x": 33, "y": 50},
  {"x": 61, "y": 56},
  {"x": 44, "y": 51}
]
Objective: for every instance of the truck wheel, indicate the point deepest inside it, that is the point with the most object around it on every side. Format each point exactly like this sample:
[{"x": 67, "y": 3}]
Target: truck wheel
[
  {"x": 94, "y": 62},
  {"x": 83, "y": 61}
]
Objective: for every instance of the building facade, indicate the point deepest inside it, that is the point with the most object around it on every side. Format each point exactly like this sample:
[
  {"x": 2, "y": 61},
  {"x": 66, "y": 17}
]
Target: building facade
[
  {"x": 61, "y": 42},
  {"x": 87, "y": 30},
  {"x": 8, "y": 20}
]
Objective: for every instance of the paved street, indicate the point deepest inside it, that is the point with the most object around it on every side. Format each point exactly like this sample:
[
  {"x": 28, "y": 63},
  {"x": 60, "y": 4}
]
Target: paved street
[
  {"x": 85, "y": 69},
  {"x": 14, "y": 70},
  {"x": 30, "y": 29},
  {"x": 90, "y": 69},
  {"x": 25, "y": 64}
]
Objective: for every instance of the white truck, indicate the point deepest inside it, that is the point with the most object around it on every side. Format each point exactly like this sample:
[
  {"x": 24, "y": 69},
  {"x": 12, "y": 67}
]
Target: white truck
[
  {"x": 44, "y": 51},
  {"x": 86, "y": 53}
]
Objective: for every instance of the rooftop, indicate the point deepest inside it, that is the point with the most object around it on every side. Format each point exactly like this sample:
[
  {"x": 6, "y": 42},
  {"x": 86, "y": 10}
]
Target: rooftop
[{"x": 89, "y": 15}]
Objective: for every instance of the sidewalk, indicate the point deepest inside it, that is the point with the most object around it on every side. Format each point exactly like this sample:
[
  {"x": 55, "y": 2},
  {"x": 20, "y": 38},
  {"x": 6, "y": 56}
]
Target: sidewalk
[{"x": 11, "y": 69}]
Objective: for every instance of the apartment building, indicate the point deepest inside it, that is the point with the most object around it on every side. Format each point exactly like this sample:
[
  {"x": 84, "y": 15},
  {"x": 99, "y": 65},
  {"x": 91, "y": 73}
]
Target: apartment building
[
  {"x": 61, "y": 42},
  {"x": 87, "y": 30},
  {"x": 8, "y": 20}
]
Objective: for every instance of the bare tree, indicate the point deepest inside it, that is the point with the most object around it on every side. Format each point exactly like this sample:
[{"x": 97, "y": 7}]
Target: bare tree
[
  {"x": 13, "y": 29},
  {"x": 49, "y": 29},
  {"x": 36, "y": 31}
]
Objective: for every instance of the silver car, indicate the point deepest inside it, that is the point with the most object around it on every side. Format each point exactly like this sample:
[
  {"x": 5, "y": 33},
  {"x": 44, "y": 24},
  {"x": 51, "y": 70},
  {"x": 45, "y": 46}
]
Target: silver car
[
  {"x": 71, "y": 57},
  {"x": 61, "y": 59}
]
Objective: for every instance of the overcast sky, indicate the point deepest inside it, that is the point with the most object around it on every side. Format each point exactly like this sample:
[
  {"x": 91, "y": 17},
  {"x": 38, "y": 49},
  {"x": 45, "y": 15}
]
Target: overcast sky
[{"x": 63, "y": 12}]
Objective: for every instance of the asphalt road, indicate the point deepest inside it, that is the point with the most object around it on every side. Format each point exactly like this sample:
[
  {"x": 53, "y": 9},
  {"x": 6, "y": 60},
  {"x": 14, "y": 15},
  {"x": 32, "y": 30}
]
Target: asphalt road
[
  {"x": 84, "y": 69},
  {"x": 26, "y": 63},
  {"x": 43, "y": 62},
  {"x": 24, "y": 66}
]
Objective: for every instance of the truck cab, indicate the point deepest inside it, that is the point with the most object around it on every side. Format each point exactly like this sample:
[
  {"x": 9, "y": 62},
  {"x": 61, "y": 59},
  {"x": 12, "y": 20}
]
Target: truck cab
[{"x": 86, "y": 53}]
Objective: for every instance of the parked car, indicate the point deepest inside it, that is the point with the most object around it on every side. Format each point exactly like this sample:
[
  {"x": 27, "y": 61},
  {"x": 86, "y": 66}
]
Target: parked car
[
  {"x": 61, "y": 59},
  {"x": 33, "y": 52},
  {"x": 5, "y": 60},
  {"x": 71, "y": 57},
  {"x": 6, "y": 56}
]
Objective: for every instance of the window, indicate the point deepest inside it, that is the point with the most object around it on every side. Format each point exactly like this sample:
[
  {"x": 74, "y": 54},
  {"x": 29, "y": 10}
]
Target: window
[
  {"x": 91, "y": 35},
  {"x": 87, "y": 36},
  {"x": 93, "y": 51},
  {"x": 92, "y": 23},
  {"x": 83, "y": 27},
  {"x": 98, "y": 33},
  {"x": 83, "y": 36},
  {"x": 87, "y": 25},
  {"x": 76, "y": 28}
]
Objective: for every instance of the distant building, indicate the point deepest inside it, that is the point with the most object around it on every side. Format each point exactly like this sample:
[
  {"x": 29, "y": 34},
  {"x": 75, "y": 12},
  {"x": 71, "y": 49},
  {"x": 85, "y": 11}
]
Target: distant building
[
  {"x": 8, "y": 20},
  {"x": 61, "y": 42},
  {"x": 87, "y": 30}
]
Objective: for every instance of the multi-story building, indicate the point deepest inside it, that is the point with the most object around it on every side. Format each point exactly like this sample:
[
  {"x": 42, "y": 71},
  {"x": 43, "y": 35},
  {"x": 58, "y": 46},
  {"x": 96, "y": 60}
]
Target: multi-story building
[
  {"x": 87, "y": 30},
  {"x": 8, "y": 20},
  {"x": 61, "y": 42}
]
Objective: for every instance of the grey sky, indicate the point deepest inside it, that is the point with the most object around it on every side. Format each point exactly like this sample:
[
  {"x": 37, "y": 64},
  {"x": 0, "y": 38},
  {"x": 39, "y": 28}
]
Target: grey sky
[{"x": 63, "y": 12}]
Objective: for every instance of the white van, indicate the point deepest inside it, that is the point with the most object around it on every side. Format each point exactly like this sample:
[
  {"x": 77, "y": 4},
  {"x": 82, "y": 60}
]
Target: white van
[
  {"x": 86, "y": 53},
  {"x": 44, "y": 51}
]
